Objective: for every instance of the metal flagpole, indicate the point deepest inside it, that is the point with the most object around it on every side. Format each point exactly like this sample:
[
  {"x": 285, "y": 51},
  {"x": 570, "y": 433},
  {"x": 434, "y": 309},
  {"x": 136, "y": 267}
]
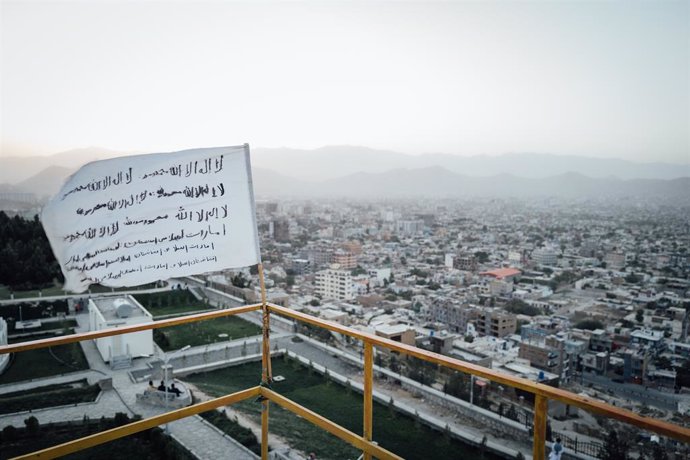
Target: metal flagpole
[{"x": 266, "y": 372}]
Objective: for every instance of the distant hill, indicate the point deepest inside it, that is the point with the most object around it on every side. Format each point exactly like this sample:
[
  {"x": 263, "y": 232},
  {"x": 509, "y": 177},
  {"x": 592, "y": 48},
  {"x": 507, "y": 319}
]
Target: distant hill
[
  {"x": 14, "y": 169},
  {"x": 442, "y": 183},
  {"x": 345, "y": 171},
  {"x": 335, "y": 161},
  {"x": 47, "y": 182},
  {"x": 421, "y": 182}
]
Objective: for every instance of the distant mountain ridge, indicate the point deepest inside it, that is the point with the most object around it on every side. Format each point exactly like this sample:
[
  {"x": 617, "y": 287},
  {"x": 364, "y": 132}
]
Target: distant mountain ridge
[
  {"x": 14, "y": 169},
  {"x": 440, "y": 183},
  {"x": 335, "y": 161},
  {"x": 343, "y": 171}
]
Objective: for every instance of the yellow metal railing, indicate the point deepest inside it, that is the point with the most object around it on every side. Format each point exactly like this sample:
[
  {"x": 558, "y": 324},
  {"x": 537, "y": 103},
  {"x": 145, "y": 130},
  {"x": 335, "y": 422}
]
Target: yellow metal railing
[{"x": 543, "y": 393}]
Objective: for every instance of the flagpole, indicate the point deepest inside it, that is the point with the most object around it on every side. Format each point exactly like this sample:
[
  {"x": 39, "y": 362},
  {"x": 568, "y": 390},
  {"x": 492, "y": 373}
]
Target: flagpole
[{"x": 266, "y": 376}]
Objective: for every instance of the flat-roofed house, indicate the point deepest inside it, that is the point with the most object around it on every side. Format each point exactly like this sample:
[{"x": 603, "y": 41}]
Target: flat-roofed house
[{"x": 109, "y": 312}]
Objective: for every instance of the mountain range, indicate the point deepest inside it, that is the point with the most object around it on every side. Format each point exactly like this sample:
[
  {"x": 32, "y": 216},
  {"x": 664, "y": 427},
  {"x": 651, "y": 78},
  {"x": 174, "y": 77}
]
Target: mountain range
[{"x": 359, "y": 172}]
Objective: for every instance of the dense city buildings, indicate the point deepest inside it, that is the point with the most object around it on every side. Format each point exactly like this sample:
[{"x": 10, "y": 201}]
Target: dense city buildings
[
  {"x": 588, "y": 296},
  {"x": 570, "y": 288}
]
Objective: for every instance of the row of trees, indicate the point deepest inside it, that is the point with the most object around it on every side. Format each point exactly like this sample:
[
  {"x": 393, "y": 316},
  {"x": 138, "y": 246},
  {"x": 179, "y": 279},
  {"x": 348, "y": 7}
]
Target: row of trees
[{"x": 26, "y": 259}]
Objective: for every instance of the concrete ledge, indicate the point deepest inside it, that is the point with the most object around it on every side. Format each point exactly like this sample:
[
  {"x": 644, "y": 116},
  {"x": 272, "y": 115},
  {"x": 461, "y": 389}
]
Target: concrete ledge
[{"x": 63, "y": 406}]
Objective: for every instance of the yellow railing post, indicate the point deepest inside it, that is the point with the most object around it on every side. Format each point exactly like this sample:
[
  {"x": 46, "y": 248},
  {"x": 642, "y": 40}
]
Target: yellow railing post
[
  {"x": 264, "y": 429},
  {"x": 266, "y": 372},
  {"x": 368, "y": 391},
  {"x": 266, "y": 376},
  {"x": 541, "y": 406}
]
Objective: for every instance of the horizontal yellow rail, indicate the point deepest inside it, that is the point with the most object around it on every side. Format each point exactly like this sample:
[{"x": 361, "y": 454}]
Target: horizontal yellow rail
[
  {"x": 151, "y": 422},
  {"x": 598, "y": 407},
  {"x": 53, "y": 341},
  {"x": 142, "y": 425},
  {"x": 337, "y": 430},
  {"x": 543, "y": 392}
]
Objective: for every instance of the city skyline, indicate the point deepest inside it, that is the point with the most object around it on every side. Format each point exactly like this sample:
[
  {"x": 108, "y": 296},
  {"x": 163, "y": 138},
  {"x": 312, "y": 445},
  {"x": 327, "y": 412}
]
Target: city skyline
[{"x": 598, "y": 80}]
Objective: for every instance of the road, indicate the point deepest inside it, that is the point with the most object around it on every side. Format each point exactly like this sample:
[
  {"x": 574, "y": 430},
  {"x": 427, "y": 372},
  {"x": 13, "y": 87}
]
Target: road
[{"x": 650, "y": 397}]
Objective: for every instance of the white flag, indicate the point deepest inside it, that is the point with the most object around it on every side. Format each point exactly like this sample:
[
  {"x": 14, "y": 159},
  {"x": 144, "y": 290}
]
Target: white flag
[{"x": 138, "y": 219}]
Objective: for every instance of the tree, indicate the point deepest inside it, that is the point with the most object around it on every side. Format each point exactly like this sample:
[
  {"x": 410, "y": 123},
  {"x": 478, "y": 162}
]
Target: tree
[
  {"x": 393, "y": 364},
  {"x": 481, "y": 256},
  {"x": 422, "y": 371},
  {"x": 662, "y": 362},
  {"x": 9, "y": 433},
  {"x": 32, "y": 426},
  {"x": 240, "y": 281},
  {"x": 633, "y": 278},
  {"x": 458, "y": 385},
  {"x": 512, "y": 413},
  {"x": 358, "y": 270},
  {"x": 639, "y": 315},
  {"x": 658, "y": 452},
  {"x": 589, "y": 324},
  {"x": 613, "y": 448},
  {"x": 121, "y": 419},
  {"x": 27, "y": 259},
  {"x": 520, "y": 307}
]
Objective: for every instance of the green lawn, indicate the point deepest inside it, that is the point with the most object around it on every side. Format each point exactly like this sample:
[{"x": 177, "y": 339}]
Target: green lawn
[
  {"x": 204, "y": 332},
  {"x": 45, "y": 326},
  {"x": 393, "y": 431},
  {"x": 48, "y": 396},
  {"x": 171, "y": 302},
  {"x": 39, "y": 363}
]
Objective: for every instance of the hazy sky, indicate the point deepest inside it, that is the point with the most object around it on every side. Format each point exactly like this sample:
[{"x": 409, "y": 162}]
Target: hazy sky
[{"x": 607, "y": 79}]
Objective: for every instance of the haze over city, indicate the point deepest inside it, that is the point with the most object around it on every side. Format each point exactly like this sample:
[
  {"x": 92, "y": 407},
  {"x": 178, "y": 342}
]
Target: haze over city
[{"x": 595, "y": 79}]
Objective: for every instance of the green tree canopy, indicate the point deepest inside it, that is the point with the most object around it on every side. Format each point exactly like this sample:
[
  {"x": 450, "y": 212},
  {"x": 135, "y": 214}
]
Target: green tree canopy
[{"x": 26, "y": 259}]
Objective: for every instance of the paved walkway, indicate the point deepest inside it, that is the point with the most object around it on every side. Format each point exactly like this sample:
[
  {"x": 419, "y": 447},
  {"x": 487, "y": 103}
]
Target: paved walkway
[{"x": 206, "y": 441}]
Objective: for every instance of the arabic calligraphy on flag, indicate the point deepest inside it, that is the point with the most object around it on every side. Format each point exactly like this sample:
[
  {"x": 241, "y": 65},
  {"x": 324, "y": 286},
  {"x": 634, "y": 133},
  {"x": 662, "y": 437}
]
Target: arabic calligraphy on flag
[{"x": 138, "y": 219}]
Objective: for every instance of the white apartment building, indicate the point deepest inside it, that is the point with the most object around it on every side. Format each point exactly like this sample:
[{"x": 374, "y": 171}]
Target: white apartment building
[
  {"x": 411, "y": 226},
  {"x": 335, "y": 283},
  {"x": 545, "y": 256}
]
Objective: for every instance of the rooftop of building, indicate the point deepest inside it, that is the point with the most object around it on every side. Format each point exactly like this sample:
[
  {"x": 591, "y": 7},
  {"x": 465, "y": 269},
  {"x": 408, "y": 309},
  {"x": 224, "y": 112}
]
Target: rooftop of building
[
  {"x": 391, "y": 329},
  {"x": 119, "y": 308},
  {"x": 501, "y": 273}
]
